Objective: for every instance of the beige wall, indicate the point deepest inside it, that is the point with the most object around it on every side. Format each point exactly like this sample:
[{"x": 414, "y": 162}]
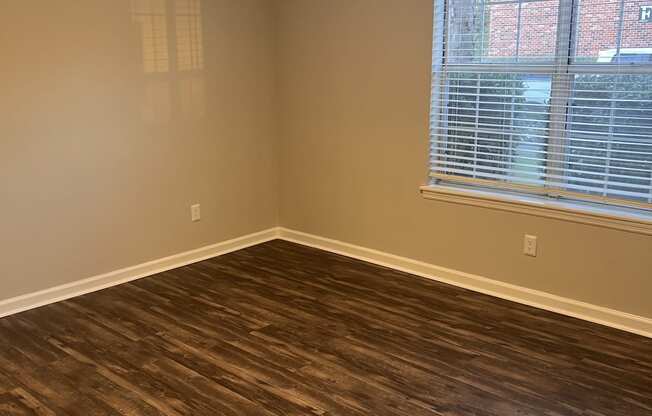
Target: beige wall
[
  {"x": 354, "y": 85},
  {"x": 100, "y": 162}
]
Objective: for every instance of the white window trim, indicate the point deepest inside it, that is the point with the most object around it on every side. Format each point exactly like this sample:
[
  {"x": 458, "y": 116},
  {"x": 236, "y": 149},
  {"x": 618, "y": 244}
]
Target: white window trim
[{"x": 578, "y": 212}]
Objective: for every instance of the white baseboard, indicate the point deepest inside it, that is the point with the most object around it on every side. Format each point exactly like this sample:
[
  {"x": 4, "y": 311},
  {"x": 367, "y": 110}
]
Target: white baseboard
[
  {"x": 582, "y": 310},
  {"x": 92, "y": 284}
]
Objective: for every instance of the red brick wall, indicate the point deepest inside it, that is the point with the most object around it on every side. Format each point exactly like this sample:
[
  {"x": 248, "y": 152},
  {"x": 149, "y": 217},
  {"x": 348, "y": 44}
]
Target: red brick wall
[{"x": 598, "y": 26}]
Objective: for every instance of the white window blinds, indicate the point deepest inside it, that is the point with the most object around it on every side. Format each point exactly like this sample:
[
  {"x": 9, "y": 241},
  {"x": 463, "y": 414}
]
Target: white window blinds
[{"x": 550, "y": 97}]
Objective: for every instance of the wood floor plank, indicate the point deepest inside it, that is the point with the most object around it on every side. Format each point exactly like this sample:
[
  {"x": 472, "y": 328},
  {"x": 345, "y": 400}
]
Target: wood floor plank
[
  {"x": 281, "y": 329},
  {"x": 11, "y": 405}
]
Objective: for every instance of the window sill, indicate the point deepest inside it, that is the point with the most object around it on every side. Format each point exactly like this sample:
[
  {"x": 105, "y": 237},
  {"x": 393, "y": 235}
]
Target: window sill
[{"x": 583, "y": 213}]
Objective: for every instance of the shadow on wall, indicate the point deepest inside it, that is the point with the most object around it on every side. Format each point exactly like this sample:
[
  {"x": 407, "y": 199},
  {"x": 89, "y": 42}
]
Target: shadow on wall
[{"x": 172, "y": 50}]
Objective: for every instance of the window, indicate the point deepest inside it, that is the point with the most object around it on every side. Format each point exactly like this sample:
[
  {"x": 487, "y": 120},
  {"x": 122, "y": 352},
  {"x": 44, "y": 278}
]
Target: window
[{"x": 544, "y": 97}]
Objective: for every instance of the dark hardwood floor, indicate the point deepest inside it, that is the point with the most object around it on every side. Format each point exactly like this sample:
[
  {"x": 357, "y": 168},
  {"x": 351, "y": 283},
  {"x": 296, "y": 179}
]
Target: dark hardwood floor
[{"x": 282, "y": 329}]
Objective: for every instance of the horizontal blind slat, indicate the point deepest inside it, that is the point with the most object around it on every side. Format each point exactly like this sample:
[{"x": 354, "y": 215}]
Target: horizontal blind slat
[
  {"x": 478, "y": 169},
  {"x": 478, "y": 157}
]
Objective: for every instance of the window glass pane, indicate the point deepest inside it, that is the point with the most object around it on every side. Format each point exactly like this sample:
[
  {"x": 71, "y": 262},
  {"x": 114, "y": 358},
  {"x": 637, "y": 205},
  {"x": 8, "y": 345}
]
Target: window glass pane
[
  {"x": 498, "y": 123},
  {"x": 610, "y": 135},
  {"x": 507, "y": 31},
  {"x": 502, "y": 30},
  {"x": 613, "y": 31},
  {"x": 538, "y": 29}
]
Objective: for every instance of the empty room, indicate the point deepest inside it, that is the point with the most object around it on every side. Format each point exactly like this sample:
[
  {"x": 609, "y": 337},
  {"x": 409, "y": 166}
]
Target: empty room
[{"x": 326, "y": 207}]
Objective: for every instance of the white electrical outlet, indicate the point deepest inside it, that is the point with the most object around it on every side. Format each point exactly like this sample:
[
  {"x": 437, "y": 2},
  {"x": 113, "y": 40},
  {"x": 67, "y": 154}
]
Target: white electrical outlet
[
  {"x": 195, "y": 213},
  {"x": 530, "y": 245}
]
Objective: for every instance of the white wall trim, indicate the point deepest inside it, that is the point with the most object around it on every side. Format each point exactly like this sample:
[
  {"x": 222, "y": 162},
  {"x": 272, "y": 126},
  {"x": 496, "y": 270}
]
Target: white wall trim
[
  {"x": 582, "y": 310},
  {"x": 635, "y": 221},
  {"x": 56, "y": 294},
  {"x": 577, "y": 309}
]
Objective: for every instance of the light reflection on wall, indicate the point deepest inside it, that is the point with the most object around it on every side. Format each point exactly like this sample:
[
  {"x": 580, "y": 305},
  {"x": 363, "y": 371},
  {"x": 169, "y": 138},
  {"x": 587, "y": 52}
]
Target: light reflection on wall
[
  {"x": 172, "y": 57},
  {"x": 190, "y": 51},
  {"x": 190, "y": 56}
]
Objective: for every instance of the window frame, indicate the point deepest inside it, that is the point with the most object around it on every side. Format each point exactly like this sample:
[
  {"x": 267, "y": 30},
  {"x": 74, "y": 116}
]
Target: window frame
[{"x": 547, "y": 202}]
